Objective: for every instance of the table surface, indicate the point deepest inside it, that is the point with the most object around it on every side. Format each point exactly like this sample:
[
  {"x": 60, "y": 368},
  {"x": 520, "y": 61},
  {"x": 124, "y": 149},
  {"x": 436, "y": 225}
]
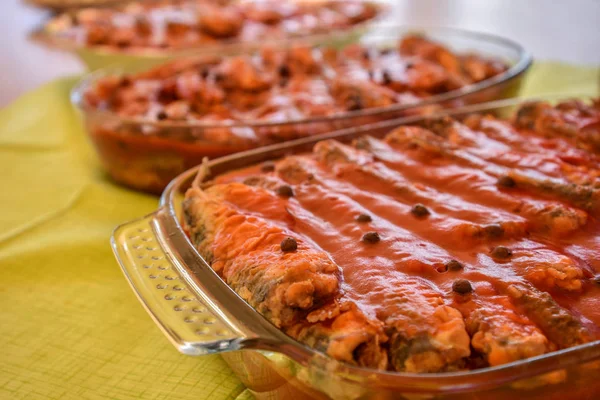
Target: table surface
[{"x": 564, "y": 30}]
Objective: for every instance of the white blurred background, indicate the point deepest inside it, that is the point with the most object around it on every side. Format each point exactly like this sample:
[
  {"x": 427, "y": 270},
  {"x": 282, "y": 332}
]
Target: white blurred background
[{"x": 562, "y": 30}]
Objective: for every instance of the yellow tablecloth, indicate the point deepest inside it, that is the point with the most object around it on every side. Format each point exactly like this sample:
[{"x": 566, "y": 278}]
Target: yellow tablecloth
[{"x": 70, "y": 327}]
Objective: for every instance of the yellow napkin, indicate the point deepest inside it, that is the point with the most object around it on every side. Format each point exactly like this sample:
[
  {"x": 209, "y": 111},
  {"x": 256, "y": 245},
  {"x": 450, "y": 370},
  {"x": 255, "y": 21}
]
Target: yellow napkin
[{"x": 70, "y": 326}]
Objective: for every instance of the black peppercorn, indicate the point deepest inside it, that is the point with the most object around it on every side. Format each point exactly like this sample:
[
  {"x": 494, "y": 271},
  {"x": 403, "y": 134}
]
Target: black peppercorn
[
  {"x": 167, "y": 94},
  {"x": 371, "y": 237},
  {"x": 501, "y": 252},
  {"x": 453, "y": 265},
  {"x": 364, "y": 218},
  {"x": 386, "y": 77},
  {"x": 494, "y": 231},
  {"x": 204, "y": 72},
  {"x": 268, "y": 166},
  {"x": 161, "y": 115},
  {"x": 506, "y": 181},
  {"x": 289, "y": 244},
  {"x": 285, "y": 191},
  {"x": 354, "y": 103},
  {"x": 284, "y": 71},
  {"x": 419, "y": 210},
  {"x": 462, "y": 286}
]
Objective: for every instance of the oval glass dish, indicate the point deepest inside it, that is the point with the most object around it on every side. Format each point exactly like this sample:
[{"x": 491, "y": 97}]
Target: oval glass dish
[
  {"x": 200, "y": 314},
  {"x": 134, "y": 58},
  {"x": 146, "y": 154}
]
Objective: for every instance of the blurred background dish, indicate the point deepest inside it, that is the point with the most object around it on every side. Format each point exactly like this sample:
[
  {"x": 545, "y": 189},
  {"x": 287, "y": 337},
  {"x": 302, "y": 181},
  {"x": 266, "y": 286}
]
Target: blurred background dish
[
  {"x": 533, "y": 24},
  {"x": 151, "y": 126},
  {"x": 151, "y": 32}
]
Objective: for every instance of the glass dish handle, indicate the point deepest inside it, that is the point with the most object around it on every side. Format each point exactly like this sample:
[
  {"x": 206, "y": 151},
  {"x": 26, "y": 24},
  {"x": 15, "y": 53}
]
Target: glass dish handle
[{"x": 193, "y": 325}]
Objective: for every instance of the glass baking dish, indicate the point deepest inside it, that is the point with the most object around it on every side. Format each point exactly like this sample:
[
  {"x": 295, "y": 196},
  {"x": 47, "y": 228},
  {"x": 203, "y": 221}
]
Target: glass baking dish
[
  {"x": 200, "y": 314},
  {"x": 146, "y": 155},
  {"x": 97, "y": 57}
]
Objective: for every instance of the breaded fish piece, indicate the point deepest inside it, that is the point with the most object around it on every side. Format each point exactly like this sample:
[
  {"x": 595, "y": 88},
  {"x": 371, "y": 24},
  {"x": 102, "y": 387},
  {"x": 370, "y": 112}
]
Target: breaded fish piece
[
  {"x": 499, "y": 332},
  {"x": 284, "y": 286},
  {"x": 560, "y": 326},
  {"x": 246, "y": 252}
]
